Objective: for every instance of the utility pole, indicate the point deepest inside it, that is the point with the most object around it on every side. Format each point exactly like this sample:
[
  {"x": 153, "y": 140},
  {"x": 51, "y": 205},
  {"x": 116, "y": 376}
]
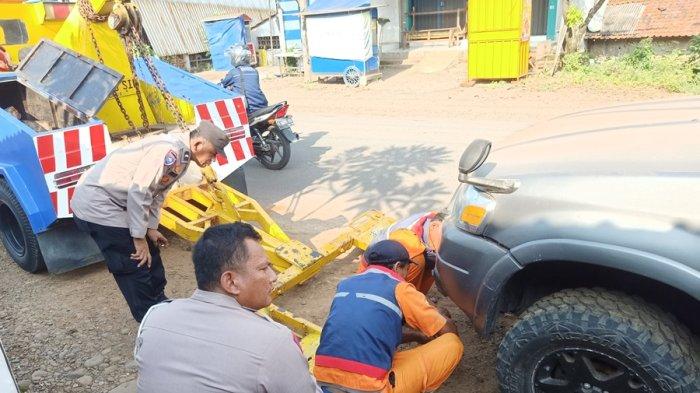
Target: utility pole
[{"x": 303, "y": 4}]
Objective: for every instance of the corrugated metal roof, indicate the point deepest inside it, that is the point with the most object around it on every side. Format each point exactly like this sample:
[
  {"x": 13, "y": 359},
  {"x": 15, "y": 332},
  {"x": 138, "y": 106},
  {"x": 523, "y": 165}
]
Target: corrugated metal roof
[
  {"x": 620, "y": 19},
  {"x": 174, "y": 27},
  {"x": 657, "y": 18}
]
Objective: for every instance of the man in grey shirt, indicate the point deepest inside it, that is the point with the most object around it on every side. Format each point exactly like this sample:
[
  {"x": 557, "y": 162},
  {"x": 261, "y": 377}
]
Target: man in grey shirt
[{"x": 214, "y": 341}]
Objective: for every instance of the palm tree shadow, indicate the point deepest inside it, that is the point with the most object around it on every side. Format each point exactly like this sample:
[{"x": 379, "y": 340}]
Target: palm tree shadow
[{"x": 394, "y": 178}]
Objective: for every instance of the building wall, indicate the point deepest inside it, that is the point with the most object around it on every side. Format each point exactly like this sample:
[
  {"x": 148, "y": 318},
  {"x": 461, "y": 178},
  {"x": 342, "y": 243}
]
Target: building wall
[
  {"x": 392, "y": 30},
  {"x": 598, "y": 48},
  {"x": 264, "y": 29},
  {"x": 277, "y": 29}
]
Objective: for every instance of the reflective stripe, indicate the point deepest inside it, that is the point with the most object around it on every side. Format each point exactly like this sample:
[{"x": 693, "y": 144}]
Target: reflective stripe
[
  {"x": 341, "y": 294},
  {"x": 351, "y": 366},
  {"x": 381, "y": 301}
]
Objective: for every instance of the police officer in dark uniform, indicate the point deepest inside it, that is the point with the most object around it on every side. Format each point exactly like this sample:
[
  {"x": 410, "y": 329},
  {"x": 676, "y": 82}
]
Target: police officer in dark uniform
[{"x": 118, "y": 203}]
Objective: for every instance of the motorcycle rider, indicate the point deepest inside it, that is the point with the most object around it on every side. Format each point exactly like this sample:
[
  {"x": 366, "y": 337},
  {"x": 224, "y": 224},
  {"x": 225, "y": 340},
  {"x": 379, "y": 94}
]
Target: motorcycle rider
[{"x": 244, "y": 79}]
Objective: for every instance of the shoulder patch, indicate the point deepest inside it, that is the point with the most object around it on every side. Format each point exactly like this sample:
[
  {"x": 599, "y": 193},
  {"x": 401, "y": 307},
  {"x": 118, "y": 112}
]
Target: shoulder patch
[{"x": 170, "y": 158}]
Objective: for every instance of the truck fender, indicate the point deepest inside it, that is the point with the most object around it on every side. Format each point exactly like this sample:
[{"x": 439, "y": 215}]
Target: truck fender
[{"x": 656, "y": 267}]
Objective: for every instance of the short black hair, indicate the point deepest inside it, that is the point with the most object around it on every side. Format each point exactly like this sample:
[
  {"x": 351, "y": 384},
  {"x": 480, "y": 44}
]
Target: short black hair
[{"x": 220, "y": 248}]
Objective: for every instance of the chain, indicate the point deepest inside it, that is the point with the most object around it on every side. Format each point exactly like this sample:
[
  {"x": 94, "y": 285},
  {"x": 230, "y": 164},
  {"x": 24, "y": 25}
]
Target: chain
[
  {"x": 134, "y": 47},
  {"x": 169, "y": 102},
  {"x": 130, "y": 54},
  {"x": 88, "y": 13}
]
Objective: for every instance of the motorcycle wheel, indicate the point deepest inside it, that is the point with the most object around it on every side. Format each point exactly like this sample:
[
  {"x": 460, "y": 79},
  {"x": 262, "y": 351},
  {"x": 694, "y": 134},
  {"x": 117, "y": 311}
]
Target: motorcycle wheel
[{"x": 278, "y": 153}]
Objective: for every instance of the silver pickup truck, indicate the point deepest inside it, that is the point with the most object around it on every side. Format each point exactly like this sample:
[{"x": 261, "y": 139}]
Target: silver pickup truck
[{"x": 588, "y": 228}]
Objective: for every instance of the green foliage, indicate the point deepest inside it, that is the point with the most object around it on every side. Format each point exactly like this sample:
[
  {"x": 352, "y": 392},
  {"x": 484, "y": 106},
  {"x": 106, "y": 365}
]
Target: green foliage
[
  {"x": 694, "y": 53},
  {"x": 573, "y": 17},
  {"x": 642, "y": 55},
  {"x": 673, "y": 72},
  {"x": 575, "y": 62},
  {"x": 694, "y": 47}
]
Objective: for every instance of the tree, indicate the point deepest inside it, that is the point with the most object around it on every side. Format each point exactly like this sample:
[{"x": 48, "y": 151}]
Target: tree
[{"x": 576, "y": 28}]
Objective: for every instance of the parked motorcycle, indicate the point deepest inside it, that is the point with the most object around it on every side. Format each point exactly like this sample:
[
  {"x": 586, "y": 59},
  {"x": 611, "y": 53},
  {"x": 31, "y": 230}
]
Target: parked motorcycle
[{"x": 271, "y": 130}]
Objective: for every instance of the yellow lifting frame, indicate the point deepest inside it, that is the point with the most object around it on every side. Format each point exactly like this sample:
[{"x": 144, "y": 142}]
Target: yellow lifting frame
[{"x": 188, "y": 211}]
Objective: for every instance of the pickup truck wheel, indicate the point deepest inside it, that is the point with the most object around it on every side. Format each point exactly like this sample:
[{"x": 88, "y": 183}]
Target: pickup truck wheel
[
  {"x": 17, "y": 235},
  {"x": 596, "y": 341}
]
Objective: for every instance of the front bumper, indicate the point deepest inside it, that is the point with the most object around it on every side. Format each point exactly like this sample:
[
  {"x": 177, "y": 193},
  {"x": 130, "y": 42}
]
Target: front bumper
[{"x": 471, "y": 270}]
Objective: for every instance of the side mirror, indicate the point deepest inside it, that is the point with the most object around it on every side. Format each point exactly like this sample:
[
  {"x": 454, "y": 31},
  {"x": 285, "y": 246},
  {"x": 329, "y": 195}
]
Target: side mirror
[{"x": 473, "y": 157}]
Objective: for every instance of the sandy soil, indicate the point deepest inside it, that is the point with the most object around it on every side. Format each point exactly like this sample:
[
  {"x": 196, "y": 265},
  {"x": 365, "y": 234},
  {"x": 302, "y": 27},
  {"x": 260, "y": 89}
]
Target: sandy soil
[{"x": 391, "y": 146}]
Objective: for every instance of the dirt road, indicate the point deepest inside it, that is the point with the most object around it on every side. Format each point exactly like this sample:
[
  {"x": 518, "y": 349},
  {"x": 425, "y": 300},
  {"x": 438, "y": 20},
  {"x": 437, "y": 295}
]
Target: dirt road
[{"x": 391, "y": 146}]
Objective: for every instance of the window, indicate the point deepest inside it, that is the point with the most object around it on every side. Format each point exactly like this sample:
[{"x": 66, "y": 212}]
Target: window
[
  {"x": 14, "y": 31},
  {"x": 265, "y": 43}
]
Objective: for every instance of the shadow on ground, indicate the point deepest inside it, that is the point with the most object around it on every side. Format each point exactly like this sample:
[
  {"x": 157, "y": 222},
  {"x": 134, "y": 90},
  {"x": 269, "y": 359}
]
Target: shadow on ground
[{"x": 394, "y": 178}]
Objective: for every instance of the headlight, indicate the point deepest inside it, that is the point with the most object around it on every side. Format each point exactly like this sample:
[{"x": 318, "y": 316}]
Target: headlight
[{"x": 472, "y": 208}]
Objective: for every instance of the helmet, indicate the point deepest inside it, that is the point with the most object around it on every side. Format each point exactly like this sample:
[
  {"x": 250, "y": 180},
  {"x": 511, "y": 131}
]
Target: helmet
[{"x": 239, "y": 54}]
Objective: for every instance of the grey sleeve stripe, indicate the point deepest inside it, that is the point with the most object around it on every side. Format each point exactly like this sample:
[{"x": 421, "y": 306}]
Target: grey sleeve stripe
[
  {"x": 341, "y": 294},
  {"x": 381, "y": 301}
]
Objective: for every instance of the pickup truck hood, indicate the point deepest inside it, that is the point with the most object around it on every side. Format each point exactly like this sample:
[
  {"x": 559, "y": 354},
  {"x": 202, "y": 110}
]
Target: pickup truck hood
[
  {"x": 626, "y": 175},
  {"x": 654, "y": 138}
]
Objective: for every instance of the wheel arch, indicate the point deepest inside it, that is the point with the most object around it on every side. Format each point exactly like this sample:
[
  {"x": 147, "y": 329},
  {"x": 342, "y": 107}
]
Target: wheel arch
[{"x": 554, "y": 264}]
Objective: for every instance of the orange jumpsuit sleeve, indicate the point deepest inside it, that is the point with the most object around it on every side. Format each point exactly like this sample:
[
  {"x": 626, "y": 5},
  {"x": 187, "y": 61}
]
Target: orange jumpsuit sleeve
[{"x": 418, "y": 313}]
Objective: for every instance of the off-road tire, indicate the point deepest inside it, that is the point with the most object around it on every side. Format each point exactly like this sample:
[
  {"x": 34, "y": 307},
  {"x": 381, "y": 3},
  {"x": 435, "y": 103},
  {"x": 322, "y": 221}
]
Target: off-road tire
[
  {"x": 632, "y": 330},
  {"x": 21, "y": 244}
]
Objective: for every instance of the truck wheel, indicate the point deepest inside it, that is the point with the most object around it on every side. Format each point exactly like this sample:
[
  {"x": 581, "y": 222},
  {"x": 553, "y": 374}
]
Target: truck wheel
[
  {"x": 595, "y": 341},
  {"x": 17, "y": 235}
]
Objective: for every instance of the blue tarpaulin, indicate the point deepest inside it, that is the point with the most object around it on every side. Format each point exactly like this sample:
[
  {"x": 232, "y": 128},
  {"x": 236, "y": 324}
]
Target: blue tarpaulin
[
  {"x": 182, "y": 84},
  {"x": 221, "y": 34},
  {"x": 331, "y": 5}
]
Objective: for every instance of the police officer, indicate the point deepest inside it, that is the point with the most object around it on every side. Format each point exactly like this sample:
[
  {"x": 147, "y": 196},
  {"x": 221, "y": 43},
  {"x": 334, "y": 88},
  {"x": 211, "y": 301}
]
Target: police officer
[{"x": 118, "y": 203}]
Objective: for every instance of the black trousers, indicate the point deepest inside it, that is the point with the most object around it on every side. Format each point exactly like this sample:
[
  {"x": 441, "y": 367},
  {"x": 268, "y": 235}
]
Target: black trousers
[{"x": 142, "y": 287}]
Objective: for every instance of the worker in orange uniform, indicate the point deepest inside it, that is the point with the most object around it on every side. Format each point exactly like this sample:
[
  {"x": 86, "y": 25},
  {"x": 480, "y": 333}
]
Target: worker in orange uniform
[
  {"x": 358, "y": 348},
  {"x": 420, "y": 234}
]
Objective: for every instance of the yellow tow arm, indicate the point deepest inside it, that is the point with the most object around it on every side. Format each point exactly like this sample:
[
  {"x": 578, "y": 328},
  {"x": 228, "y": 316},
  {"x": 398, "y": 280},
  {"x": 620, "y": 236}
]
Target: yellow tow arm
[{"x": 189, "y": 210}]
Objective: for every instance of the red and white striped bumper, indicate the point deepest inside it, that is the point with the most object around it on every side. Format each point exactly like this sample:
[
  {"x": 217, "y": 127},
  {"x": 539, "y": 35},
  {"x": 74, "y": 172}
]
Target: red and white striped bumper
[
  {"x": 230, "y": 115},
  {"x": 64, "y": 156}
]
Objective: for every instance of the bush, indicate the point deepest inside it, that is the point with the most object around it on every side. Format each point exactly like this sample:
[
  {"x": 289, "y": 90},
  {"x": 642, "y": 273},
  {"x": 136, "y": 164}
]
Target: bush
[
  {"x": 694, "y": 47},
  {"x": 694, "y": 52},
  {"x": 575, "y": 62},
  {"x": 641, "y": 55},
  {"x": 678, "y": 71}
]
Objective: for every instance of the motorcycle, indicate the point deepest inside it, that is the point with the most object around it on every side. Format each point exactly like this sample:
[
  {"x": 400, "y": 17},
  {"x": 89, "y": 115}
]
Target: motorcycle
[{"x": 271, "y": 130}]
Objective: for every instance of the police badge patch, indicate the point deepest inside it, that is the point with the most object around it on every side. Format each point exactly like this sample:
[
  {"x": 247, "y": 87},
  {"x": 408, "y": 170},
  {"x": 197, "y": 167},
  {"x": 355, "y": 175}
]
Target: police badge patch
[{"x": 170, "y": 158}]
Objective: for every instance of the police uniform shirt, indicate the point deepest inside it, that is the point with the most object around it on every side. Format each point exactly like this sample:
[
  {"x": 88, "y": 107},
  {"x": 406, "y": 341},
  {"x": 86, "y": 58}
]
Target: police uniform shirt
[
  {"x": 127, "y": 188},
  {"x": 210, "y": 343}
]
